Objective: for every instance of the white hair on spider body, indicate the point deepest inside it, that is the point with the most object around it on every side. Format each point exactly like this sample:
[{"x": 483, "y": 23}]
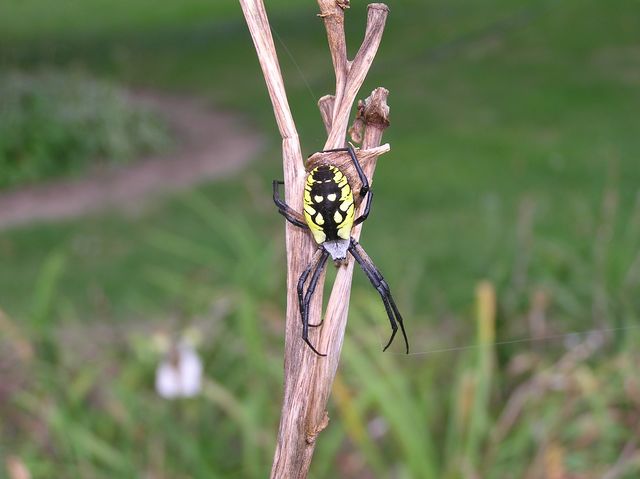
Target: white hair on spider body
[{"x": 337, "y": 249}]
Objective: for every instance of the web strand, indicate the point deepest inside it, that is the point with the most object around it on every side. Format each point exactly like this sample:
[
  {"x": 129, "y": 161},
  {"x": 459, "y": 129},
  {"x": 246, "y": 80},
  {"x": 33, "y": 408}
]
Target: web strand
[
  {"x": 553, "y": 337},
  {"x": 295, "y": 63}
]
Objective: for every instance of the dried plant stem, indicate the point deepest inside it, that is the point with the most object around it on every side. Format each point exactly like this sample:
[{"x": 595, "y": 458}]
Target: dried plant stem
[{"x": 308, "y": 378}]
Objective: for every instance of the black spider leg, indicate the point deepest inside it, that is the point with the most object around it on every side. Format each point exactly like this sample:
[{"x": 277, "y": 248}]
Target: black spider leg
[
  {"x": 283, "y": 208},
  {"x": 382, "y": 287},
  {"x": 363, "y": 178},
  {"x": 367, "y": 209},
  {"x": 317, "y": 266},
  {"x": 303, "y": 278},
  {"x": 312, "y": 287}
]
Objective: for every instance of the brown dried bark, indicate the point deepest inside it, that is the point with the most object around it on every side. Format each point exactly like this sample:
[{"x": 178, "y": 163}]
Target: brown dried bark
[{"x": 308, "y": 377}]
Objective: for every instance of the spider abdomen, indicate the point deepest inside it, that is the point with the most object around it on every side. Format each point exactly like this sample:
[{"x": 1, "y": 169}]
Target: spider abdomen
[{"x": 328, "y": 204}]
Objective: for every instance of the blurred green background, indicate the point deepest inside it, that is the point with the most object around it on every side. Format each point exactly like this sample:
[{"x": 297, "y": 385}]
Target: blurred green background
[{"x": 507, "y": 222}]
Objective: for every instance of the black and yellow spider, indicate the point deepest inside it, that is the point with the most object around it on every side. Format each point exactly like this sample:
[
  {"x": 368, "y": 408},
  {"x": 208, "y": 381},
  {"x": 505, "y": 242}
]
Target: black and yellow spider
[{"x": 329, "y": 211}]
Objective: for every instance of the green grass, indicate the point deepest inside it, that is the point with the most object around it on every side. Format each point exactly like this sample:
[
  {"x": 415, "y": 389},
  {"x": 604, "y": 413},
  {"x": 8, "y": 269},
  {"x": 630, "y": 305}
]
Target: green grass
[
  {"x": 39, "y": 19},
  {"x": 57, "y": 123},
  {"x": 514, "y": 159}
]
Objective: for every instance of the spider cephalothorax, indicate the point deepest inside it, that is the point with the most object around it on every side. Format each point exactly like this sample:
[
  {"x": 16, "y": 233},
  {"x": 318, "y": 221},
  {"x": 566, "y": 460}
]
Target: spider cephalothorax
[{"x": 329, "y": 207}]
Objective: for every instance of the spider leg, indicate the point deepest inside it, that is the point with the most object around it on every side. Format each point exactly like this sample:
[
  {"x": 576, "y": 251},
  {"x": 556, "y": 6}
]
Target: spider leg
[
  {"x": 312, "y": 287},
  {"x": 302, "y": 280},
  {"x": 304, "y": 306},
  {"x": 285, "y": 210},
  {"x": 382, "y": 287},
  {"x": 367, "y": 209},
  {"x": 363, "y": 178}
]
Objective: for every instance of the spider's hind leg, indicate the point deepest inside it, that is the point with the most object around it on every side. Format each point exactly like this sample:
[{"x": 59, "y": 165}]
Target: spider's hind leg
[
  {"x": 367, "y": 209},
  {"x": 363, "y": 178},
  {"x": 285, "y": 210},
  {"x": 382, "y": 287}
]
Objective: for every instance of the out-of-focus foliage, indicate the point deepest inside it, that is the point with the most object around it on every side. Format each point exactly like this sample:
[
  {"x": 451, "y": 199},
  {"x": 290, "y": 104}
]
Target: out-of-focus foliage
[
  {"x": 27, "y": 19},
  {"x": 55, "y": 123},
  {"x": 79, "y": 398}
]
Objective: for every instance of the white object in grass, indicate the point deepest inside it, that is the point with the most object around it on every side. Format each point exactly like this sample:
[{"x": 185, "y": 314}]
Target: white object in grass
[{"x": 180, "y": 373}]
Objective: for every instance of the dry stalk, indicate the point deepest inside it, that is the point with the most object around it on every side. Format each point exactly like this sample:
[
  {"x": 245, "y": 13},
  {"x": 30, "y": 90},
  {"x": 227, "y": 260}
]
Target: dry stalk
[{"x": 308, "y": 378}]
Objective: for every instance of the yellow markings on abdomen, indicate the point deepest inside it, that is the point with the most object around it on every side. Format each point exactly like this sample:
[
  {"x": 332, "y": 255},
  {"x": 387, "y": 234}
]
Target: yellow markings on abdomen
[
  {"x": 345, "y": 205},
  {"x": 316, "y": 229},
  {"x": 328, "y": 204}
]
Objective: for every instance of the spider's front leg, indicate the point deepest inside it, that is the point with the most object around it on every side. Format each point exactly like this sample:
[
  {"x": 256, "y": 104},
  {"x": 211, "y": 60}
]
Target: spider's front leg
[
  {"x": 378, "y": 282},
  {"x": 285, "y": 210},
  {"x": 317, "y": 265},
  {"x": 303, "y": 278}
]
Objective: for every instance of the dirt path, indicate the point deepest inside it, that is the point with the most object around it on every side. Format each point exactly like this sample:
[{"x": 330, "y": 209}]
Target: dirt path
[{"x": 211, "y": 144}]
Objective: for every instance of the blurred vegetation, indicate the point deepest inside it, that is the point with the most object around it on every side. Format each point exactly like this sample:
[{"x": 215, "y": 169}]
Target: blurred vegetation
[
  {"x": 514, "y": 160},
  {"x": 78, "y": 399},
  {"x": 54, "y": 123}
]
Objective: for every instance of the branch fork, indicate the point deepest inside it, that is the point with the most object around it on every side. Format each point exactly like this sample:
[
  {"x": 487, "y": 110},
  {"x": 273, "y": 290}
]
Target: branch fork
[{"x": 308, "y": 377}]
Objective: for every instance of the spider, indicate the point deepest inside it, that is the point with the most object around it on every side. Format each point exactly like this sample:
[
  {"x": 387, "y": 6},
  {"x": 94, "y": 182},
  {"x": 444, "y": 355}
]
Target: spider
[{"x": 329, "y": 211}]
